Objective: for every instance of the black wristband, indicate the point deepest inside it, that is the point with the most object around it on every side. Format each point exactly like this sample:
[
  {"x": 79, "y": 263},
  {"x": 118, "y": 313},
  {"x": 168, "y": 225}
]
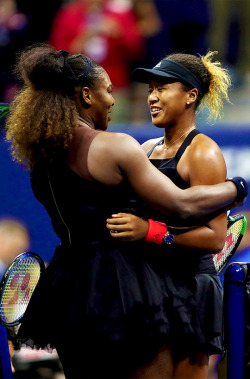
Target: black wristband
[{"x": 241, "y": 186}]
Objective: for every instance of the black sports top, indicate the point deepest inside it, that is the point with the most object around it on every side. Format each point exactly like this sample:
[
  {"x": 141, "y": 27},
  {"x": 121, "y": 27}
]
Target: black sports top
[
  {"x": 193, "y": 260},
  {"x": 169, "y": 166}
]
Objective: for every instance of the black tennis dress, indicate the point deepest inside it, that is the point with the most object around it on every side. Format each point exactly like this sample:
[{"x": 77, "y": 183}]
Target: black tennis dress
[{"x": 107, "y": 306}]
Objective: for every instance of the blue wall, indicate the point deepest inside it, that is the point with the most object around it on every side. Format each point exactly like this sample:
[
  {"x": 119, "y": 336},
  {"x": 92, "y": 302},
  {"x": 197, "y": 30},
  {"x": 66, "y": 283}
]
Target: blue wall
[{"x": 17, "y": 199}]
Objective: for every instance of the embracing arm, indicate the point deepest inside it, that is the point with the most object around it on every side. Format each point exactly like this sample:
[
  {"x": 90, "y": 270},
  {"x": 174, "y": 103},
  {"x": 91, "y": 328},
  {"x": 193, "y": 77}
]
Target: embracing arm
[
  {"x": 210, "y": 237},
  {"x": 204, "y": 164},
  {"x": 114, "y": 156}
]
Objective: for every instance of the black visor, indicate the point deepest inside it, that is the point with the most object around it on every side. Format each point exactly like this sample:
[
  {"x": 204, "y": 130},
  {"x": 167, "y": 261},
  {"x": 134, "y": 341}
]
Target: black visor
[{"x": 167, "y": 70}]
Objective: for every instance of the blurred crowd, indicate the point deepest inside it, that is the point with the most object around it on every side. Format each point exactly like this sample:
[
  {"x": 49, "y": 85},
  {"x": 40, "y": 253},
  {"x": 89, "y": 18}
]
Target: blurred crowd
[
  {"x": 120, "y": 35},
  {"x": 124, "y": 34},
  {"x": 14, "y": 240}
]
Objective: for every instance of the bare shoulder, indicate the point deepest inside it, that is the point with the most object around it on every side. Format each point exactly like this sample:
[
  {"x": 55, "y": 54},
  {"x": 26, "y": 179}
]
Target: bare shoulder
[
  {"x": 114, "y": 143},
  {"x": 204, "y": 148},
  {"x": 205, "y": 161},
  {"x": 111, "y": 155},
  {"x": 150, "y": 143}
]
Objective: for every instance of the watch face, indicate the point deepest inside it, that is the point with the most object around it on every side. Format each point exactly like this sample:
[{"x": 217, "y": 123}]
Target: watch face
[{"x": 168, "y": 238}]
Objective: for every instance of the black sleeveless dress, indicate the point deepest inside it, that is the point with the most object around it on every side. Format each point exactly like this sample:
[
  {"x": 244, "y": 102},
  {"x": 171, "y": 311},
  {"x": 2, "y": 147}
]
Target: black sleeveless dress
[
  {"x": 189, "y": 269},
  {"x": 117, "y": 301}
]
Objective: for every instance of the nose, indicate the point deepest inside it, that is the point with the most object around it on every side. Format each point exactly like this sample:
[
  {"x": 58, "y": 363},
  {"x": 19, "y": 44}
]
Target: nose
[{"x": 153, "y": 96}]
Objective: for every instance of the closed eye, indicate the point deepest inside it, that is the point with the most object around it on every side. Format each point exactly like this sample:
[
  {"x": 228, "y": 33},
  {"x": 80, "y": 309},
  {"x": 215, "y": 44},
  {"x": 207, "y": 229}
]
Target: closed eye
[
  {"x": 158, "y": 89},
  {"x": 110, "y": 88}
]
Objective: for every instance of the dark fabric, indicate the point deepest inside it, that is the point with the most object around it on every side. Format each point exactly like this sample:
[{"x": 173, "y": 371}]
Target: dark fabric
[
  {"x": 194, "y": 265},
  {"x": 78, "y": 152},
  {"x": 100, "y": 292},
  {"x": 168, "y": 70},
  {"x": 192, "y": 261}
]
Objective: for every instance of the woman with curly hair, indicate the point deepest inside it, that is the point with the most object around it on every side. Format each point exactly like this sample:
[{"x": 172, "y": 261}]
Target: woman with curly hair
[
  {"x": 95, "y": 293},
  {"x": 178, "y": 87}
]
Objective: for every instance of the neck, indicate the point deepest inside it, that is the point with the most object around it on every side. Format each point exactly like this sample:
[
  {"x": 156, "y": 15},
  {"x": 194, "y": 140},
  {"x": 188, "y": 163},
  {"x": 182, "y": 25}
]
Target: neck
[
  {"x": 175, "y": 137},
  {"x": 86, "y": 121},
  {"x": 175, "y": 130}
]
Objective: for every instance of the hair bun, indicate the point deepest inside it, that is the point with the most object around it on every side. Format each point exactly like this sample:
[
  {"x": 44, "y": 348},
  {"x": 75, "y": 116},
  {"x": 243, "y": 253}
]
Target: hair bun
[{"x": 42, "y": 67}]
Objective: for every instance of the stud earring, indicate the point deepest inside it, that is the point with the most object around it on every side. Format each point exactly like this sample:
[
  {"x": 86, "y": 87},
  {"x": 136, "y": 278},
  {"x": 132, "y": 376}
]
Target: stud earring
[{"x": 188, "y": 102}]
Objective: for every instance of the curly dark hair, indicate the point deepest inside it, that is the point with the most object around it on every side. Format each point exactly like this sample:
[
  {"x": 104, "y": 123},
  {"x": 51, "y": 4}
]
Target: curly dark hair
[{"x": 43, "y": 115}]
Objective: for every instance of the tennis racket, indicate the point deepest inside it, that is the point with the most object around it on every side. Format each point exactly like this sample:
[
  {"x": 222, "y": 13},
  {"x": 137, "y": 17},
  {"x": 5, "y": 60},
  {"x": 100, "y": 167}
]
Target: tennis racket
[
  {"x": 4, "y": 109},
  {"x": 17, "y": 287},
  {"x": 236, "y": 226}
]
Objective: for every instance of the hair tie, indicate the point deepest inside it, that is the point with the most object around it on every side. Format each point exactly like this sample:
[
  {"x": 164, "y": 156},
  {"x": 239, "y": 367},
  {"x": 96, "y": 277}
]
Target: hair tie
[
  {"x": 87, "y": 69},
  {"x": 70, "y": 73},
  {"x": 63, "y": 54}
]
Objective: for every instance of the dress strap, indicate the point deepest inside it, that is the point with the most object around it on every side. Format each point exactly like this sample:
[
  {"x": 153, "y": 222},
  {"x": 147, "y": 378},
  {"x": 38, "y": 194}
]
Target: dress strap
[
  {"x": 157, "y": 143},
  {"x": 182, "y": 148},
  {"x": 185, "y": 144}
]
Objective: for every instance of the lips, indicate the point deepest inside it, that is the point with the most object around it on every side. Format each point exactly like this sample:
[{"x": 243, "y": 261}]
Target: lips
[
  {"x": 109, "y": 117},
  {"x": 155, "y": 111}
]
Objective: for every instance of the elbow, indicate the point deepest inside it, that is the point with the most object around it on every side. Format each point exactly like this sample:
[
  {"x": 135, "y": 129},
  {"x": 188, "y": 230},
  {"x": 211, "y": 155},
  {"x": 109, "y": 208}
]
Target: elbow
[
  {"x": 186, "y": 206},
  {"x": 184, "y": 211}
]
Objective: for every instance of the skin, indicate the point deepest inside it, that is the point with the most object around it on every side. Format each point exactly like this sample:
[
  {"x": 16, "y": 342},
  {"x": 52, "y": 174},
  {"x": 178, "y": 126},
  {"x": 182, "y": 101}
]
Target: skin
[
  {"x": 202, "y": 163},
  {"x": 121, "y": 151}
]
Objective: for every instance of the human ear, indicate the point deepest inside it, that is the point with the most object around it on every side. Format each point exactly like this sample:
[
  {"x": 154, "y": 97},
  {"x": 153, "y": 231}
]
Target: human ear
[
  {"x": 85, "y": 96},
  {"x": 192, "y": 95}
]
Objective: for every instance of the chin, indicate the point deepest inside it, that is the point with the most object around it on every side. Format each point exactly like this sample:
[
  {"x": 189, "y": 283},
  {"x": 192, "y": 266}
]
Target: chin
[{"x": 158, "y": 124}]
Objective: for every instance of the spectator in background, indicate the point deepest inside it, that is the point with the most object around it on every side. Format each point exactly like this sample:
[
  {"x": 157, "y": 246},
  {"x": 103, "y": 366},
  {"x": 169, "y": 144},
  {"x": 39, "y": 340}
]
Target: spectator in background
[
  {"x": 229, "y": 34},
  {"x": 107, "y": 31},
  {"x": 150, "y": 25},
  {"x": 183, "y": 27},
  {"x": 14, "y": 240},
  {"x": 13, "y": 31},
  {"x": 40, "y": 14}
]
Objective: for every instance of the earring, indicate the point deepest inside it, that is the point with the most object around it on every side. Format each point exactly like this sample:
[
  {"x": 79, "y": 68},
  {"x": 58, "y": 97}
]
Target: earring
[{"x": 188, "y": 102}]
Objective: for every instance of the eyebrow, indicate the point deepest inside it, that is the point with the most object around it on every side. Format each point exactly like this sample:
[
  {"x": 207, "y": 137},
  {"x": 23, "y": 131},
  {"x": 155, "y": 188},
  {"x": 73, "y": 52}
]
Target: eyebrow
[{"x": 110, "y": 86}]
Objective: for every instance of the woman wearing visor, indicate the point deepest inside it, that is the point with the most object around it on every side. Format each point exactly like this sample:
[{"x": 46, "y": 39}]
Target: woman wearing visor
[{"x": 178, "y": 86}]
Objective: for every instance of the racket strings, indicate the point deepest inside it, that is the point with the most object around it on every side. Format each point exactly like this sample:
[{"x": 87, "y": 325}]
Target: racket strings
[
  {"x": 18, "y": 289},
  {"x": 233, "y": 235}
]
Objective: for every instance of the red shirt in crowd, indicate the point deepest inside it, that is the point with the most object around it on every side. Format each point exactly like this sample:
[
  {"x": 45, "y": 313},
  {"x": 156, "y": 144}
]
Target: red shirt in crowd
[{"x": 113, "y": 48}]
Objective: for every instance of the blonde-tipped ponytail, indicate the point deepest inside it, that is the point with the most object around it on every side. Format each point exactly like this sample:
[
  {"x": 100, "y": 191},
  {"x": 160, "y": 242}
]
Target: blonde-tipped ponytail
[{"x": 220, "y": 82}]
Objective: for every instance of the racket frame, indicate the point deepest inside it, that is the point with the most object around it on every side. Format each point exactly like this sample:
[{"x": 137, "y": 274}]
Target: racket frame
[
  {"x": 10, "y": 269},
  {"x": 231, "y": 221}
]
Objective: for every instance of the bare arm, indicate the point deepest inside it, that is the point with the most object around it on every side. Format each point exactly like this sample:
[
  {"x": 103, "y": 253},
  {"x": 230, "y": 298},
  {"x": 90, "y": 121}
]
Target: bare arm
[
  {"x": 128, "y": 227},
  {"x": 113, "y": 156},
  {"x": 204, "y": 164}
]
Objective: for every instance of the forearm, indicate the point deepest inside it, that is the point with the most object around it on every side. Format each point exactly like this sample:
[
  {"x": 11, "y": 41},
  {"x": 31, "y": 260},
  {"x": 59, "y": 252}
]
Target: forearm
[
  {"x": 207, "y": 237},
  {"x": 202, "y": 200},
  {"x": 160, "y": 192},
  {"x": 203, "y": 238}
]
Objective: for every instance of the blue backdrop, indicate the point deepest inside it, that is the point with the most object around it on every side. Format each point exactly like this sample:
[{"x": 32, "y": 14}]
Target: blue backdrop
[{"x": 17, "y": 199}]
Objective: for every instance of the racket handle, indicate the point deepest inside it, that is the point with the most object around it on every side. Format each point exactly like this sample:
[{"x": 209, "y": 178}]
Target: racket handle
[{"x": 241, "y": 186}]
